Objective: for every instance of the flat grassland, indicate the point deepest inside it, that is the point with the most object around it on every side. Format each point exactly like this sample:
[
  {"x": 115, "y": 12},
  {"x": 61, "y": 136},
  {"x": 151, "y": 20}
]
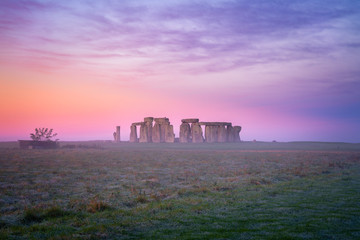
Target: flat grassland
[{"x": 248, "y": 190}]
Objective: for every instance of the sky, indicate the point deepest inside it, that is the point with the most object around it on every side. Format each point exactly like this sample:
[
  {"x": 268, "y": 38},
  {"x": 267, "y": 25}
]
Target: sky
[{"x": 284, "y": 70}]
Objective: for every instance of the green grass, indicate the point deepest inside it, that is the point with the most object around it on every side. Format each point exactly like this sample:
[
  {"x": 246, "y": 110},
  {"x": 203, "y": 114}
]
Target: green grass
[{"x": 210, "y": 191}]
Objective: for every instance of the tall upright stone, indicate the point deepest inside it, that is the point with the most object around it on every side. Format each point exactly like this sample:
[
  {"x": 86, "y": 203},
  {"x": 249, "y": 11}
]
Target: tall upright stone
[
  {"x": 230, "y": 133},
  {"x": 237, "y": 130},
  {"x": 143, "y": 133},
  {"x": 211, "y": 133},
  {"x": 196, "y": 132},
  {"x": 133, "y": 133},
  {"x": 117, "y": 136},
  {"x": 148, "y": 124},
  {"x": 185, "y": 133},
  {"x": 169, "y": 133},
  {"x": 156, "y": 132},
  {"x": 222, "y": 133},
  {"x": 162, "y": 132},
  {"x": 161, "y": 125},
  {"x": 146, "y": 130}
]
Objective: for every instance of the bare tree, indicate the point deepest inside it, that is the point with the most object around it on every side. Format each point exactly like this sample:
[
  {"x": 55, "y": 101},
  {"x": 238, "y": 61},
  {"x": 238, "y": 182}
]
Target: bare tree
[{"x": 43, "y": 134}]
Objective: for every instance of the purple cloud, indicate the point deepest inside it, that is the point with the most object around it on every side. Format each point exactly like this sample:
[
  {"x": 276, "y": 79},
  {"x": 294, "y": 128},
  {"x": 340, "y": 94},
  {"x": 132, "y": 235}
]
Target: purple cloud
[{"x": 238, "y": 33}]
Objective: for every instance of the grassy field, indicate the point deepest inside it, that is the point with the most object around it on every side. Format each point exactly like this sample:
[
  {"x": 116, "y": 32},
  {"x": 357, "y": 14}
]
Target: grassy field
[{"x": 249, "y": 190}]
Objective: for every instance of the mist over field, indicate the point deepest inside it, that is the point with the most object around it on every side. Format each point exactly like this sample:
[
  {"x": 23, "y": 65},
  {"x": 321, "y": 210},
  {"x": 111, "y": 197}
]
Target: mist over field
[{"x": 97, "y": 190}]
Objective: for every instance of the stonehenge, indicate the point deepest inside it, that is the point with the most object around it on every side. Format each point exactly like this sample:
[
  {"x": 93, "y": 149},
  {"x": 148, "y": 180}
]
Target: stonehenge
[
  {"x": 160, "y": 132},
  {"x": 191, "y": 131}
]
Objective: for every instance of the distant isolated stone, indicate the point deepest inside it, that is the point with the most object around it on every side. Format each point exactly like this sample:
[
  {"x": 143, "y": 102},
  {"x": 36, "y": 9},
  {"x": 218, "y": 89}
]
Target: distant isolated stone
[{"x": 117, "y": 134}]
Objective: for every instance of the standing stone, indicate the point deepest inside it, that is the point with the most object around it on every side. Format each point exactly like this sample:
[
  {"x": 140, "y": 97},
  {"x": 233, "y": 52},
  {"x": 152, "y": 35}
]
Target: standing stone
[
  {"x": 148, "y": 123},
  {"x": 230, "y": 133},
  {"x": 185, "y": 133},
  {"x": 133, "y": 134},
  {"x": 169, "y": 133},
  {"x": 222, "y": 134},
  {"x": 161, "y": 125},
  {"x": 163, "y": 128},
  {"x": 117, "y": 137},
  {"x": 156, "y": 133},
  {"x": 207, "y": 133},
  {"x": 237, "y": 130},
  {"x": 211, "y": 133},
  {"x": 114, "y": 134},
  {"x": 143, "y": 133},
  {"x": 196, "y": 132}
]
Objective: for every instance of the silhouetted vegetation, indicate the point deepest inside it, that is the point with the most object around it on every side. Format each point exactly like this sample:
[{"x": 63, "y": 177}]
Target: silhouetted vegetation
[{"x": 43, "y": 134}]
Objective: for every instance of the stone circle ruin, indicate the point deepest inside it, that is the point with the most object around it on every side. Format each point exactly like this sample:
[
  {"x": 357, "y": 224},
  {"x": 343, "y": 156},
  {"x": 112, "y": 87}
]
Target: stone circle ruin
[{"x": 190, "y": 131}]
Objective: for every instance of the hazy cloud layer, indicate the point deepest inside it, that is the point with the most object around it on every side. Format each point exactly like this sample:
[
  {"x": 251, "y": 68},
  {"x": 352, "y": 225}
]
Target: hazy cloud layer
[{"x": 220, "y": 35}]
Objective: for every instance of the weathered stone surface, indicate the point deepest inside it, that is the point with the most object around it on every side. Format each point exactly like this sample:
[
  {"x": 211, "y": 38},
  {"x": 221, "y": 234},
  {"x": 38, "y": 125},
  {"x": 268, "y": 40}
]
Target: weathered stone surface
[
  {"x": 156, "y": 133},
  {"x": 215, "y": 123},
  {"x": 222, "y": 134},
  {"x": 190, "y": 120},
  {"x": 211, "y": 133},
  {"x": 137, "y": 123},
  {"x": 117, "y": 135},
  {"x": 196, "y": 132},
  {"x": 163, "y": 120},
  {"x": 169, "y": 133},
  {"x": 163, "y": 127},
  {"x": 133, "y": 134},
  {"x": 143, "y": 134},
  {"x": 237, "y": 130},
  {"x": 114, "y": 134},
  {"x": 230, "y": 134},
  {"x": 148, "y": 125},
  {"x": 148, "y": 119},
  {"x": 185, "y": 133}
]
